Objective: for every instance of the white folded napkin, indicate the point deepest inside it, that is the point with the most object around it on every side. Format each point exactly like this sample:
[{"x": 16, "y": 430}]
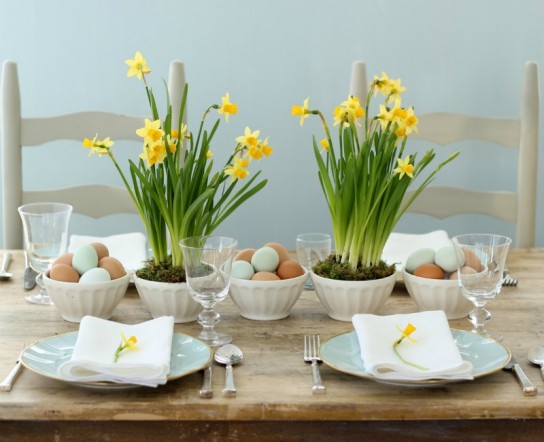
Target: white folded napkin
[
  {"x": 399, "y": 246},
  {"x": 433, "y": 349},
  {"x": 129, "y": 248},
  {"x": 97, "y": 341}
]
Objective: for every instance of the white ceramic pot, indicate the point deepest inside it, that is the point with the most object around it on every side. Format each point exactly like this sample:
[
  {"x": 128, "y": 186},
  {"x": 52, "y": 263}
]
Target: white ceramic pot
[
  {"x": 343, "y": 299},
  {"x": 168, "y": 299}
]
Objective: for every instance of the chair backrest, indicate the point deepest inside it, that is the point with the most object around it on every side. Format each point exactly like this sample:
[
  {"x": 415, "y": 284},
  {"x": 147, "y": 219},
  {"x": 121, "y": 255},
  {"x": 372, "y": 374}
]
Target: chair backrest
[
  {"x": 519, "y": 132},
  {"x": 16, "y": 132}
]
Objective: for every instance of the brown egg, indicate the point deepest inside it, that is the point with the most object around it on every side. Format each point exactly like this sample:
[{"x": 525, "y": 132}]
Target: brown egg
[
  {"x": 431, "y": 271},
  {"x": 113, "y": 266},
  {"x": 265, "y": 276},
  {"x": 289, "y": 269},
  {"x": 101, "y": 250},
  {"x": 283, "y": 253},
  {"x": 471, "y": 260},
  {"x": 245, "y": 255},
  {"x": 465, "y": 270},
  {"x": 63, "y": 272},
  {"x": 65, "y": 258}
]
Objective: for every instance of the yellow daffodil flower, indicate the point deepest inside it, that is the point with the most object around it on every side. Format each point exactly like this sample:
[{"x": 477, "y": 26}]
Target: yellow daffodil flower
[
  {"x": 154, "y": 153},
  {"x": 266, "y": 149},
  {"x": 389, "y": 88},
  {"x": 151, "y": 132},
  {"x": 325, "y": 144},
  {"x": 100, "y": 147},
  {"x": 405, "y": 334},
  {"x": 137, "y": 66},
  {"x": 238, "y": 170},
  {"x": 404, "y": 167},
  {"x": 126, "y": 344},
  {"x": 301, "y": 110},
  {"x": 209, "y": 154},
  {"x": 255, "y": 152},
  {"x": 249, "y": 139},
  {"x": 227, "y": 107},
  {"x": 348, "y": 112}
]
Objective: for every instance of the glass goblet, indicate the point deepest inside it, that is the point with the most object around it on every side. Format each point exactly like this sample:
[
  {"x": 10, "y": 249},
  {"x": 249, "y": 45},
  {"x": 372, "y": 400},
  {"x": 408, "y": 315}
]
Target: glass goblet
[
  {"x": 480, "y": 263},
  {"x": 312, "y": 248},
  {"x": 45, "y": 227},
  {"x": 208, "y": 262}
]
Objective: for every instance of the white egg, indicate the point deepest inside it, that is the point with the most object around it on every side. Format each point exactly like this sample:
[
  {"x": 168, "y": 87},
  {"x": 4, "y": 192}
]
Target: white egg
[
  {"x": 85, "y": 258},
  {"x": 418, "y": 257},
  {"x": 265, "y": 259},
  {"x": 97, "y": 274},
  {"x": 446, "y": 259},
  {"x": 242, "y": 270}
]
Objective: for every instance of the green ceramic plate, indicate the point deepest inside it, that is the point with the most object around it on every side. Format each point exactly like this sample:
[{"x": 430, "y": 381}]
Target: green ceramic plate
[
  {"x": 45, "y": 357},
  {"x": 343, "y": 353}
]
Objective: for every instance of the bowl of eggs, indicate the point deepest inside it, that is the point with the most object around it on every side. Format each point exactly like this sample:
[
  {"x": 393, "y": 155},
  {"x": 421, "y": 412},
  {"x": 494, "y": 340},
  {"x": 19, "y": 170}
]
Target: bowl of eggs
[
  {"x": 431, "y": 280},
  {"x": 265, "y": 282},
  {"x": 86, "y": 282}
]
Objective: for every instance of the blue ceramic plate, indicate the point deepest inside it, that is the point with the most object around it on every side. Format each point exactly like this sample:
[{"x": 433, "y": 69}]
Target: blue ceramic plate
[
  {"x": 45, "y": 357},
  {"x": 343, "y": 353}
]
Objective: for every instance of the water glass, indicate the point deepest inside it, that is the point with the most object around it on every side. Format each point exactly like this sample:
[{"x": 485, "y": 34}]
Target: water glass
[{"x": 312, "y": 248}]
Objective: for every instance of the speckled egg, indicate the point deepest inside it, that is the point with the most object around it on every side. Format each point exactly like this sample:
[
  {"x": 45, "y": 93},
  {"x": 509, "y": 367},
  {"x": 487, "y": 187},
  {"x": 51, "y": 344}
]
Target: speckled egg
[
  {"x": 95, "y": 275},
  {"x": 265, "y": 276},
  {"x": 85, "y": 258},
  {"x": 113, "y": 266},
  {"x": 431, "y": 271},
  {"x": 101, "y": 250},
  {"x": 63, "y": 272},
  {"x": 283, "y": 253},
  {"x": 265, "y": 259},
  {"x": 289, "y": 269},
  {"x": 446, "y": 258},
  {"x": 419, "y": 257},
  {"x": 242, "y": 270},
  {"x": 244, "y": 255},
  {"x": 65, "y": 258}
]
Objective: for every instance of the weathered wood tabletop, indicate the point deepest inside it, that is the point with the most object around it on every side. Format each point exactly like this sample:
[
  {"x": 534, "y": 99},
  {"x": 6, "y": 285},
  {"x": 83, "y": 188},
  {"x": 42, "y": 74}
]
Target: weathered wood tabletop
[{"x": 275, "y": 400}]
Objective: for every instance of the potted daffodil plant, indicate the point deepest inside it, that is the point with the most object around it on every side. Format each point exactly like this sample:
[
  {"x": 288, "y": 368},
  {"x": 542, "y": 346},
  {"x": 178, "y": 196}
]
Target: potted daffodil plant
[
  {"x": 364, "y": 179},
  {"x": 173, "y": 183}
]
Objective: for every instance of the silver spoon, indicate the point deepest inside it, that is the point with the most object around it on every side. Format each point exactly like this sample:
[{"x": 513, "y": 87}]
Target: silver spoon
[
  {"x": 4, "y": 274},
  {"x": 229, "y": 354},
  {"x": 536, "y": 356}
]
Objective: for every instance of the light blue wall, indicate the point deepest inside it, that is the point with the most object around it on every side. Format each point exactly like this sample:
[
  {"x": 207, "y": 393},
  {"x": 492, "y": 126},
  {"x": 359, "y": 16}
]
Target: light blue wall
[{"x": 462, "y": 55}]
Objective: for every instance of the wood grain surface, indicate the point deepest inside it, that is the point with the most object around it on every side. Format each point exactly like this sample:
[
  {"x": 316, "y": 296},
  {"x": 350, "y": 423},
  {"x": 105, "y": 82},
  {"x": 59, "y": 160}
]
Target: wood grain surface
[{"x": 275, "y": 400}]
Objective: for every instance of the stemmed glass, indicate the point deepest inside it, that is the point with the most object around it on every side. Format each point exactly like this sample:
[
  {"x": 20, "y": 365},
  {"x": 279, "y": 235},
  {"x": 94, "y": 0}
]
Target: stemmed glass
[
  {"x": 312, "y": 248},
  {"x": 45, "y": 228},
  {"x": 480, "y": 264},
  {"x": 208, "y": 262}
]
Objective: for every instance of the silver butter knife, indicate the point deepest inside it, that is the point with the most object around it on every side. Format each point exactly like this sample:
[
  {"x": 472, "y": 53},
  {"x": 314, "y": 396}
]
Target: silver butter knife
[
  {"x": 29, "y": 278},
  {"x": 527, "y": 387},
  {"x": 8, "y": 381}
]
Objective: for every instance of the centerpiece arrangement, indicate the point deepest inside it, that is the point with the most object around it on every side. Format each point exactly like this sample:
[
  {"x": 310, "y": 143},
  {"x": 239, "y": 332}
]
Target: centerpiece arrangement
[
  {"x": 364, "y": 181},
  {"x": 173, "y": 183}
]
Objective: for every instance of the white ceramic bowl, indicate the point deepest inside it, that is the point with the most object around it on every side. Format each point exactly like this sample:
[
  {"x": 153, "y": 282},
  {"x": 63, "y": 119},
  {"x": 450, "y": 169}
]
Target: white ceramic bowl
[
  {"x": 266, "y": 300},
  {"x": 75, "y": 300},
  {"x": 438, "y": 294}
]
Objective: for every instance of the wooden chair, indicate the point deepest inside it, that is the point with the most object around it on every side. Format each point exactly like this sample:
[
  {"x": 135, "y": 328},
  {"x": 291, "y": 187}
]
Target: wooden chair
[
  {"x": 17, "y": 132},
  {"x": 519, "y": 132}
]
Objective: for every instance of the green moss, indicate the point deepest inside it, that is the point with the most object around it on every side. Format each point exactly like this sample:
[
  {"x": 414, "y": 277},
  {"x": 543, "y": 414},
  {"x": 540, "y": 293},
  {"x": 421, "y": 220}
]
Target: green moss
[
  {"x": 163, "y": 272},
  {"x": 332, "y": 268}
]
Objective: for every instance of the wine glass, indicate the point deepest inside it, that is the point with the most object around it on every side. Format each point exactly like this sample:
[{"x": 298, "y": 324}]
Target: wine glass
[
  {"x": 312, "y": 248},
  {"x": 45, "y": 228},
  {"x": 208, "y": 261},
  {"x": 480, "y": 263}
]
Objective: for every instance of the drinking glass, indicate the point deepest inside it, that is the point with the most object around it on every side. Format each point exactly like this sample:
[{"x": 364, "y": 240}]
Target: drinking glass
[
  {"x": 208, "y": 262},
  {"x": 312, "y": 248},
  {"x": 45, "y": 228},
  {"x": 482, "y": 281}
]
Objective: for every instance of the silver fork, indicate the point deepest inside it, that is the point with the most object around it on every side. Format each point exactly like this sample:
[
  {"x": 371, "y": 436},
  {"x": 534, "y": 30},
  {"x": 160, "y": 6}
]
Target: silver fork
[
  {"x": 8, "y": 381},
  {"x": 311, "y": 346},
  {"x": 507, "y": 280}
]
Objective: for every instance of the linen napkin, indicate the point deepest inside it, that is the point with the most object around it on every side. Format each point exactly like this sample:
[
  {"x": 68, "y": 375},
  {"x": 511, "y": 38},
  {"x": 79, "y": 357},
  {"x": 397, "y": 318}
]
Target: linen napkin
[
  {"x": 399, "y": 246},
  {"x": 129, "y": 248},
  {"x": 97, "y": 341},
  {"x": 434, "y": 348}
]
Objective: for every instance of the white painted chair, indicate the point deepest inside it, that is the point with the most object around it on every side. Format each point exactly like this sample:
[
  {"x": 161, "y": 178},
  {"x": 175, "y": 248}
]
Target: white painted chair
[
  {"x": 519, "y": 132},
  {"x": 17, "y": 132}
]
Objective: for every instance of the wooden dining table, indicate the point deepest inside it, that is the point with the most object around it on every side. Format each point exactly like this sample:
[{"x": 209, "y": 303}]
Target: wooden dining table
[{"x": 274, "y": 399}]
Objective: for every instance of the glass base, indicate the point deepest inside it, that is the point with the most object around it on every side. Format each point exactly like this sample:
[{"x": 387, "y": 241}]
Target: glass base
[
  {"x": 215, "y": 339},
  {"x": 39, "y": 298},
  {"x": 488, "y": 335}
]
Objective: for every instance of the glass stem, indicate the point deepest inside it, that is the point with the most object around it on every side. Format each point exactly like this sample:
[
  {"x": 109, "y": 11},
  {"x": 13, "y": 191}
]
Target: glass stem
[{"x": 208, "y": 319}]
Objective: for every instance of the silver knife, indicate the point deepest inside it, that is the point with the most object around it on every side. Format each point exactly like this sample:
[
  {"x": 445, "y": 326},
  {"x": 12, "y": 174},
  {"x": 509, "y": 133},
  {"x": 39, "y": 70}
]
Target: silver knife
[
  {"x": 528, "y": 388},
  {"x": 206, "y": 391},
  {"x": 29, "y": 278}
]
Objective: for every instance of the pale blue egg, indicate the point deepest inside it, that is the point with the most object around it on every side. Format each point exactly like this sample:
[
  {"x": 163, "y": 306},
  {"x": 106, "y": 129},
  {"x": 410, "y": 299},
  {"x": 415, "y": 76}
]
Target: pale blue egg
[
  {"x": 418, "y": 257},
  {"x": 85, "y": 258},
  {"x": 97, "y": 274},
  {"x": 446, "y": 258},
  {"x": 265, "y": 259},
  {"x": 242, "y": 270}
]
